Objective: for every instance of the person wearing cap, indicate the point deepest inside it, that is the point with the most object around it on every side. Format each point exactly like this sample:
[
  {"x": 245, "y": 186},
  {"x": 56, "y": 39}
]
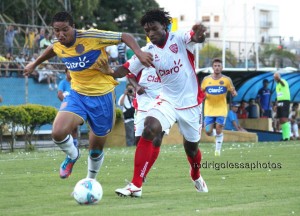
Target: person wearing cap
[
  {"x": 283, "y": 105},
  {"x": 263, "y": 99},
  {"x": 232, "y": 122}
]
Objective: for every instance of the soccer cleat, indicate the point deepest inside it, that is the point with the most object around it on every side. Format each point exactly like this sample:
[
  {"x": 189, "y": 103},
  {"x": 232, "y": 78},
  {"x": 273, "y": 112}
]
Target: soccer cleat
[
  {"x": 67, "y": 166},
  {"x": 200, "y": 185},
  {"x": 129, "y": 190},
  {"x": 217, "y": 153}
]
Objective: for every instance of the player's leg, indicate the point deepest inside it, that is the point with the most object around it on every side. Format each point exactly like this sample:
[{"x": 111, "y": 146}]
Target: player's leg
[
  {"x": 63, "y": 125},
  {"x": 190, "y": 127},
  {"x": 220, "y": 122},
  {"x": 101, "y": 116},
  {"x": 157, "y": 120},
  {"x": 155, "y": 151},
  {"x": 96, "y": 154},
  {"x": 283, "y": 114},
  {"x": 139, "y": 127},
  {"x": 209, "y": 123},
  {"x": 75, "y": 137}
]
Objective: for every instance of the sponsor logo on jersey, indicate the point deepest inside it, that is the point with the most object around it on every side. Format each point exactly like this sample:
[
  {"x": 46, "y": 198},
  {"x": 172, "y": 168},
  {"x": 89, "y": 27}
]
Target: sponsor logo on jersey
[
  {"x": 172, "y": 70},
  {"x": 216, "y": 90},
  {"x": 79, "y": 63},
  {"x": 174, "y": 48},
  {"x": 152, "y": 78}
]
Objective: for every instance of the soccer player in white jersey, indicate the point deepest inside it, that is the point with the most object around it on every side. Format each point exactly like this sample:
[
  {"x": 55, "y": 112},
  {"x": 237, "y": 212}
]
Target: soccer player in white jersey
[
  {"x": 147, "y": 87},
  {"x": 180, "y": 98}
]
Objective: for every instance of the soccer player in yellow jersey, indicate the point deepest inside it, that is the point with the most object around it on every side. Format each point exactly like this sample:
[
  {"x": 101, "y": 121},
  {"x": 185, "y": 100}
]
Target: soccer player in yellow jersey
[
  {"x": 216, "y": 87},
  {"x": 91, "y": 97}
]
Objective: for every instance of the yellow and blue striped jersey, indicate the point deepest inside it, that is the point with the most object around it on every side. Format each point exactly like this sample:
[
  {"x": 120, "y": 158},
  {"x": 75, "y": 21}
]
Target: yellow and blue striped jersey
[
  {"x": 81, "y": 59},
  {"x": 215, "y": 95}
]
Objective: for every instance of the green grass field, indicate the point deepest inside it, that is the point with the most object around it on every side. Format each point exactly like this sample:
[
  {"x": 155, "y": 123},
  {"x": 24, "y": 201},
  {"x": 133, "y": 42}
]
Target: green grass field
[{"x": 30, "y": 183}]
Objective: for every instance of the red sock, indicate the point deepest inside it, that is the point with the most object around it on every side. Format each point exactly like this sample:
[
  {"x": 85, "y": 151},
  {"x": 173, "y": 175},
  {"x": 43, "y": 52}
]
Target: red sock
[
  {"x": 195, "y": 165},
  {"x": 155, "y": 153},
  {"x": 142, "y": 158}
]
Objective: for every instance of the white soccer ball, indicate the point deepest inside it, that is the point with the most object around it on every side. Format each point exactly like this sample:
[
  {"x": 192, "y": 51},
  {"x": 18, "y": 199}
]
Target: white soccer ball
[{"x": 88, "y": 191}]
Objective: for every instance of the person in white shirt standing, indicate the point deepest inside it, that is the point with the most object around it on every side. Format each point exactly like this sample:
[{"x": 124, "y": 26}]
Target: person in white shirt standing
[
  {"x": 126, "y": 102},
  {"x": 180, "y": 98}
]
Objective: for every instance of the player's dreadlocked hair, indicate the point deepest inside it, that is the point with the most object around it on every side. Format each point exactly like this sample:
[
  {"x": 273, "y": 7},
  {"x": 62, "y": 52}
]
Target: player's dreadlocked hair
[
  {"x": 156, "y": 15},
  {"x": 62, "y": 17}
]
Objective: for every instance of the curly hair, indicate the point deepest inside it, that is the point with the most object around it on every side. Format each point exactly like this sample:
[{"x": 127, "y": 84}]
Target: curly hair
[
  {"x": 158, "y": 15},
  {"x": 62, "y": 17}
]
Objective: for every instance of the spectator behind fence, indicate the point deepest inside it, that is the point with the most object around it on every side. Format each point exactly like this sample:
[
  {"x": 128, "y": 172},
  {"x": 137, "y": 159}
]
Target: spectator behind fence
[
  {"x": 126, "y": 102},
  {"x": 113, "y": 53},
  {"x": 242, "y": 112},
  {"x": 264, "y": 100},
  {"x": 29, "y": 45},
  {"x": 122, "y": 53},
  {"x": 45, "y": 72},
  {"x": 232, "y": 122},
  {"x": 10, "y": 66},
  {"x": 21, "y": 62},
  {"x": 252, "y": 109},
  {"x": 40, "y": 36},
  {"x": 9, "y": 36},
  {"x": 45, "y": 42}
]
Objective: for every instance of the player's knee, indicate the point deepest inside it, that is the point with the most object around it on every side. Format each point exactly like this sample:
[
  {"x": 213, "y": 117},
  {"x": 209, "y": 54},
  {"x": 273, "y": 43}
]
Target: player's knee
[
  {"x": 208, "y": 130},
  {"x": 95, "y": 153}
]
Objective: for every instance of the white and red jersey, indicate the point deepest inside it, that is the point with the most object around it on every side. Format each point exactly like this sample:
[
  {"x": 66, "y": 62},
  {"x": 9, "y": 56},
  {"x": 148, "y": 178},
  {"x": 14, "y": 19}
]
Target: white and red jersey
[
  {"x": 174, "y": 64},
  {"x": 148, "y": 79}
]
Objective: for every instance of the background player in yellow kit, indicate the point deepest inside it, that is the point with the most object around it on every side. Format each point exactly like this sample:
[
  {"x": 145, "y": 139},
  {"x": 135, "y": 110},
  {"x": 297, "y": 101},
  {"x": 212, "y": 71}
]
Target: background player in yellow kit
[{"x": 216, "y": 87}]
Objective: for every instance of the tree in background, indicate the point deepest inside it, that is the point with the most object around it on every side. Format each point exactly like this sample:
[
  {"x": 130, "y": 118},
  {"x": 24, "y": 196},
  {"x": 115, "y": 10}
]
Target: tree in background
[
  {"x": 117, "y": 15},
  {"x": 210, "y": 51}
]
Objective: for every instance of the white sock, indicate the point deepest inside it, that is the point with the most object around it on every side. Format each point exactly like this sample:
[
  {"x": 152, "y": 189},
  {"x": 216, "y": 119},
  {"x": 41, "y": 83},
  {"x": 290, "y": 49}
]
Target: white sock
[
  {"x": 94, "y": 165},
  {"x": 214, "y": 133},
  {"x": 219, "y": 141},
  {"x": 67, "y": 146}
]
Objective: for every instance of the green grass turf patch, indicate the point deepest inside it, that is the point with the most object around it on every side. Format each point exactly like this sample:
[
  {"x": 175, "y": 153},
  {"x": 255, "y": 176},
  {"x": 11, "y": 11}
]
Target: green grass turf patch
[{"x": 248, "y": 179}]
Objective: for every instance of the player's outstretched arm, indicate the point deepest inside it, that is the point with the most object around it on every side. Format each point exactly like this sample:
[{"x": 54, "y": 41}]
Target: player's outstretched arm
[
  {"x": 199, "y": 30},
  {"x": 144, "y": 57},
  {"x": 138, "y": 88},
  {"x": 47, "y": 54}
]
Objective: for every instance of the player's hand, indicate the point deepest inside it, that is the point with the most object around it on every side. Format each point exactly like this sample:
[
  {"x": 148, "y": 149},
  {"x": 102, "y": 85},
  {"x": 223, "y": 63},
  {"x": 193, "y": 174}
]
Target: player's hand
[
  {"x": 199, "y": 30},
  {"x": 104, "y": 66},
  {"x": 234, "y": 93},
  {"x": 140, "y": 89},
  {"x": 145, "y": 58},
  {"x": 29, "y": 68}
]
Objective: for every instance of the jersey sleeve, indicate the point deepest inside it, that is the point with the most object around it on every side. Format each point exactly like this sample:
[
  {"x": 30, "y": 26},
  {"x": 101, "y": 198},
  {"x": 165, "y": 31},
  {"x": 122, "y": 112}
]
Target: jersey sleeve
[{"x": 134, "y": 65}]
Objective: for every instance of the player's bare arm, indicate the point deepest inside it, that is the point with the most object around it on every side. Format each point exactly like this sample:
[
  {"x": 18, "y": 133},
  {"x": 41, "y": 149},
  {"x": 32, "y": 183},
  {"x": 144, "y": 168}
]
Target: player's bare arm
[
  {"x": 145, "y": 57},
  {"x": 104, "y": 66},
  {"x": 47, "y": 54},
  {"x": 199, "y": 30},
  {"x": 234, "y": 93},
  {"x": 120, "y": 72},
  {"x": 138, "y": 88}
]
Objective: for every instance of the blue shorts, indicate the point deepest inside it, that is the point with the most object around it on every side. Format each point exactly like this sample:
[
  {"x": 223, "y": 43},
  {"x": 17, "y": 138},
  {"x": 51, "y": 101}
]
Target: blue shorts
[
  {"x": 98, "y": 111},
  {"x": 208, "y": 120}
]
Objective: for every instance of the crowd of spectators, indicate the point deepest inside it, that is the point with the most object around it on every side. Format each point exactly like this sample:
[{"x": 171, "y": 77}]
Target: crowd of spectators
[{"x": 13, "y": 60}]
